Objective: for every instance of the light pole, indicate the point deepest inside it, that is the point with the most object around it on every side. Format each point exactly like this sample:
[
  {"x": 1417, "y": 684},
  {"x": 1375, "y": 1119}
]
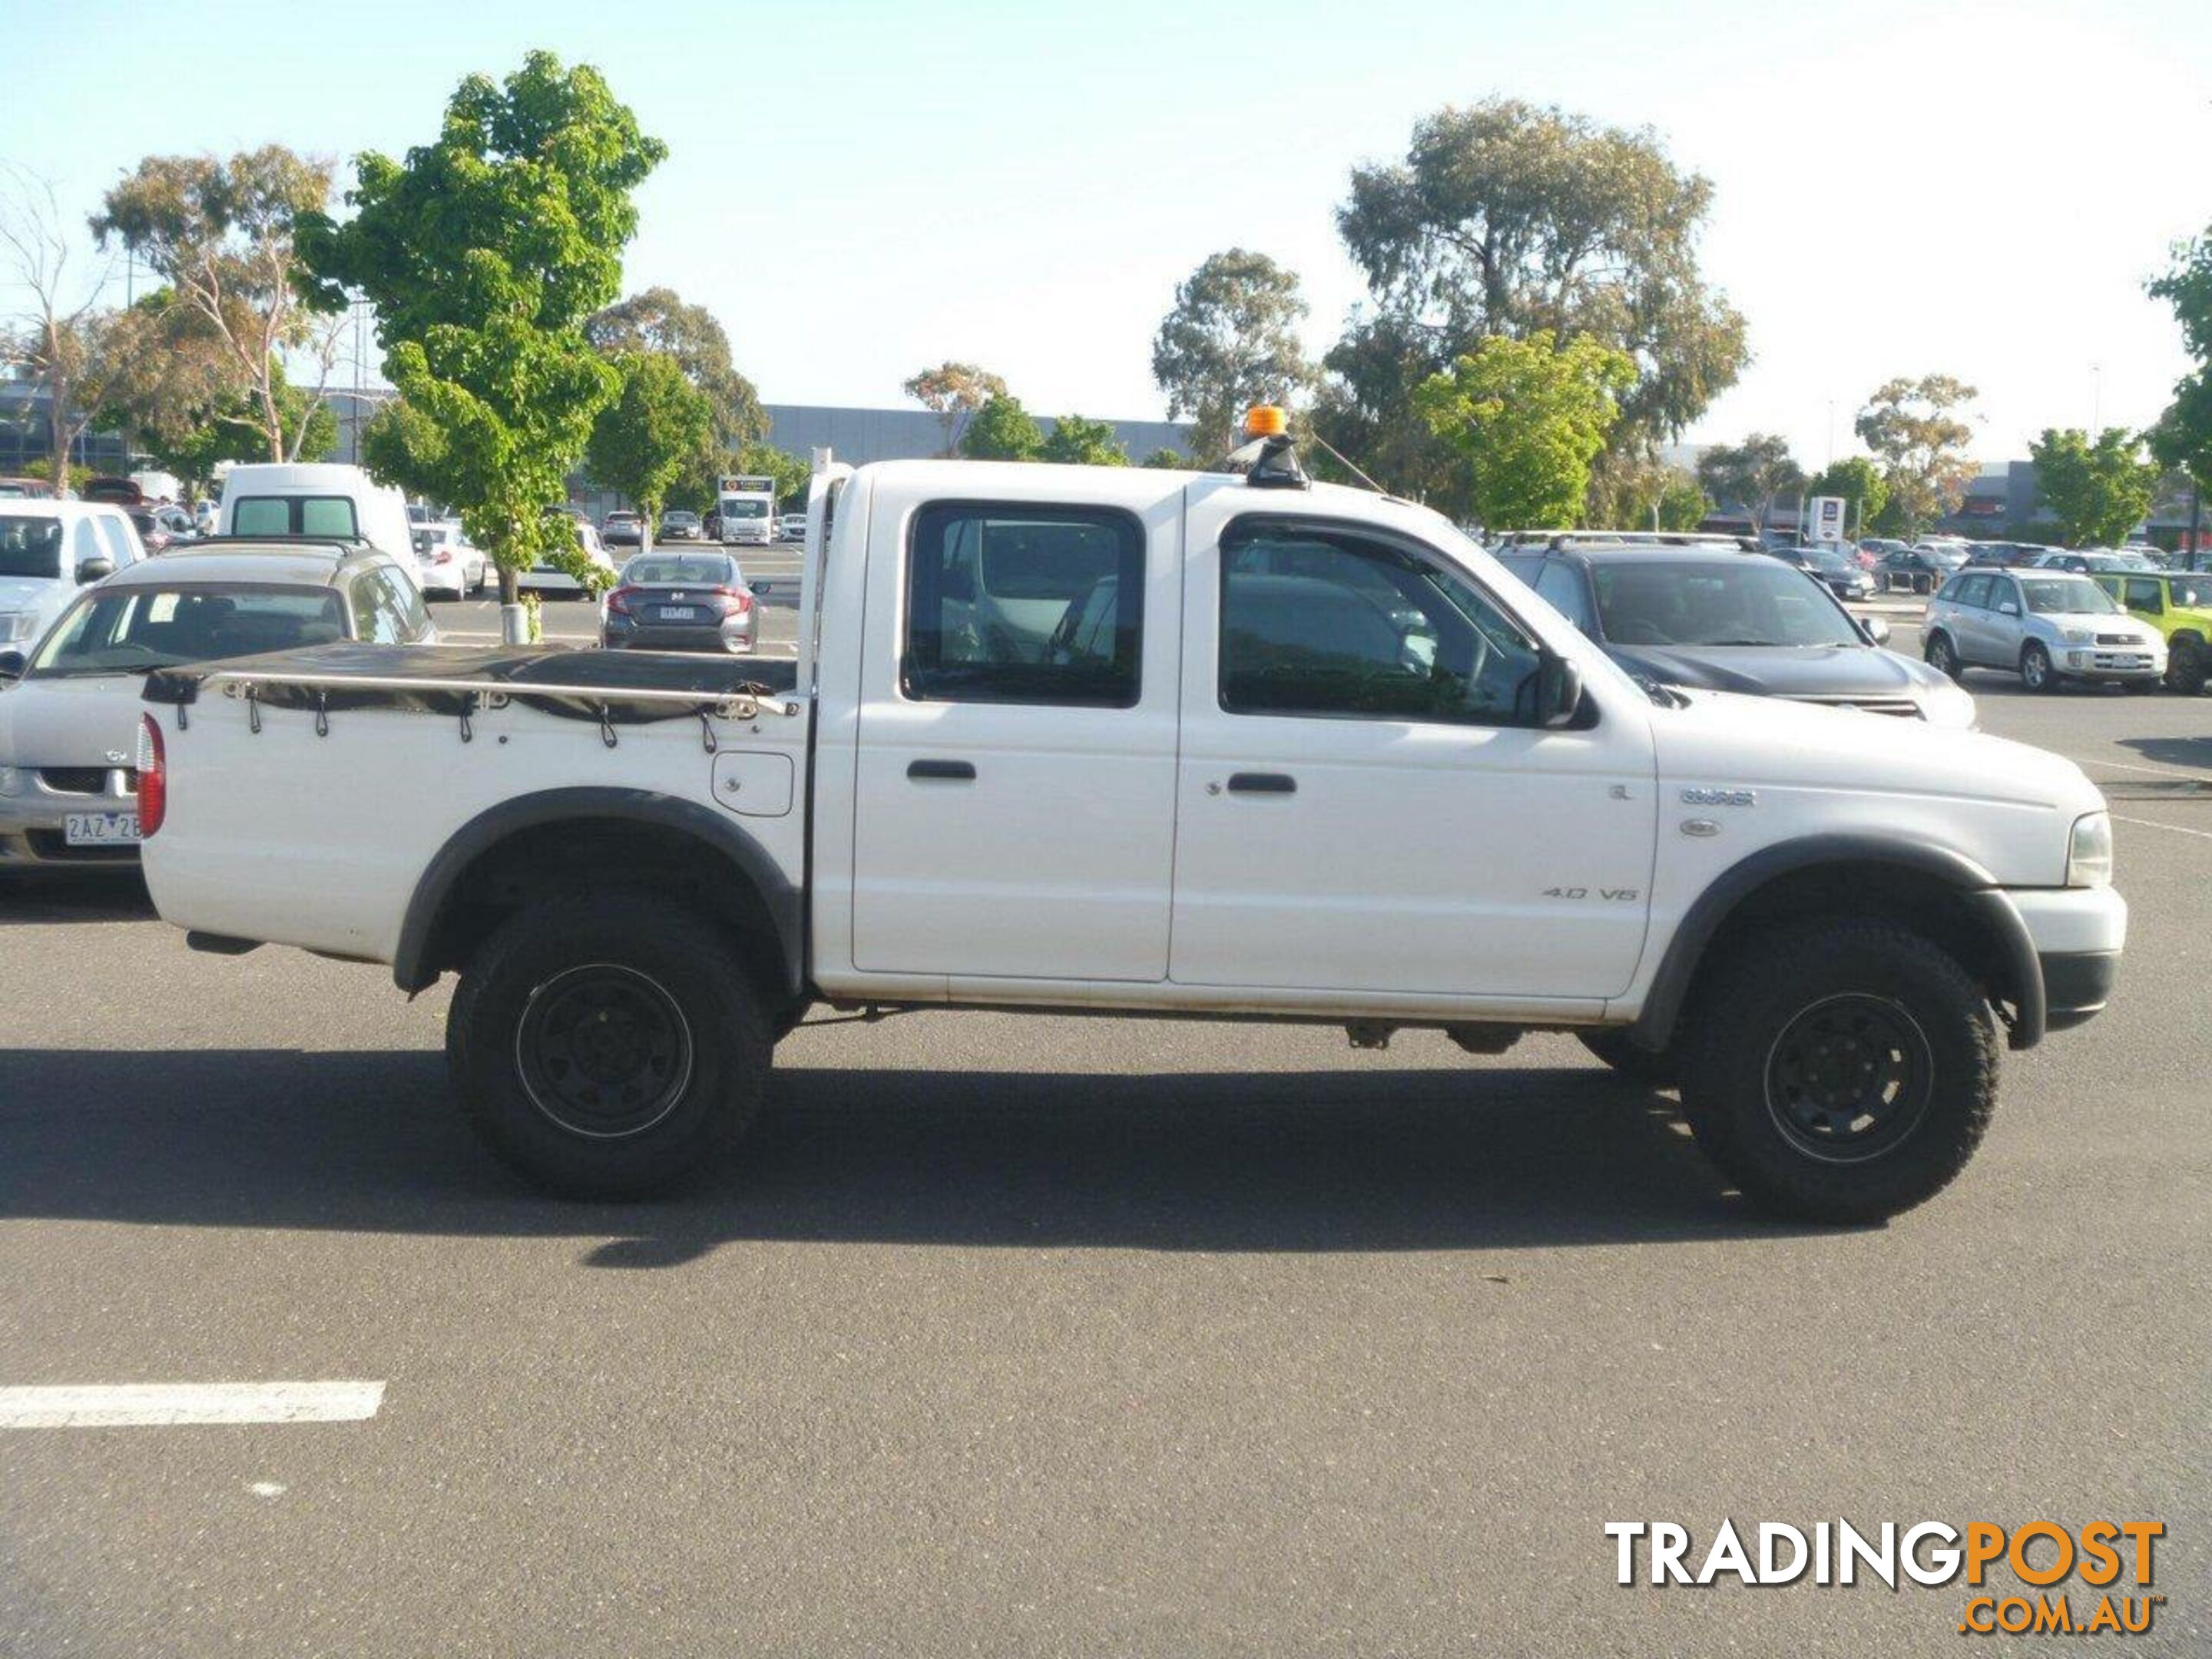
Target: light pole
[{"x": 2096, "y": 400}]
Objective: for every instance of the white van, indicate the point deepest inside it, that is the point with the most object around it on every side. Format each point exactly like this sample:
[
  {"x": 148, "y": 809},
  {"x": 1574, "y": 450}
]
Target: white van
[
  {"x": 322, "y": 499},
  {"x": 48, "y": 550}
]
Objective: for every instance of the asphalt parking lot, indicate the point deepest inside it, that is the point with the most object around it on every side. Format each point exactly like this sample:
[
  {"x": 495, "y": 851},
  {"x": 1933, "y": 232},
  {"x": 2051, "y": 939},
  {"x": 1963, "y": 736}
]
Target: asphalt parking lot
[
  {"x": 1022, "y": 1336},
  {"x": 771, "y": 572}
]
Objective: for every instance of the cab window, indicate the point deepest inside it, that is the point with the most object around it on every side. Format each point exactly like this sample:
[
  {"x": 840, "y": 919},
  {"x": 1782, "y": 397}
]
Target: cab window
[
  {"x": 1971, "y": 590},
  {"x": 122, "y": 541},
  {"x": 1320, "y": 621},
  {"x": 1016, "y": 602},
  {"x": 2144, "y": 595}
]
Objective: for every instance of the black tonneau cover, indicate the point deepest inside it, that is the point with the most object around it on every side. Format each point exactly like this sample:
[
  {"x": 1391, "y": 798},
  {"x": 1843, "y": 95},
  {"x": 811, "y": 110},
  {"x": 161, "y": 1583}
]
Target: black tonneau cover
[{"x": 507, "y": 670}]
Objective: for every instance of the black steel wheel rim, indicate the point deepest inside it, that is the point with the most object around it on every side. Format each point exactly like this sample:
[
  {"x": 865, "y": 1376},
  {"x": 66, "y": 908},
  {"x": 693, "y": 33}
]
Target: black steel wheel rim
[
  {"x": 1849, "y": 1078},
  {"x": 603, "y": 1051}
]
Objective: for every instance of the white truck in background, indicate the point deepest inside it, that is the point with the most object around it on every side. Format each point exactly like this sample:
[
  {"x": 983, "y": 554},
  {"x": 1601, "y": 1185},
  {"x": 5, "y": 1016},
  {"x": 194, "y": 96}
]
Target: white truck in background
[
  {"x": 1157, "y": 743},
  {"x": 744, "y": 507}
]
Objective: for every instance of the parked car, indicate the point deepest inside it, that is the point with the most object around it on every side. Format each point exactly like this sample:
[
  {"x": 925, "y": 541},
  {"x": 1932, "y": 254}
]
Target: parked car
[
  {"x": 1843, "y": 575},
  {"x": 48, "y": 550},
  {"x": 792, "y": 527},
  {"x": 2092, "y": 561},
  {"x": 1916, "y": 569},
  {"x": 448, "y": 564},
  {"x": 318, "y": 501},
  {"x": 1729, "y": 621},
  {"x": 2178, "y": 603},
  {"x": 1313, "y": 757},
  {"x": 680, "y": 602},
  {"x": 545, "y": 577},
  {"x": 2004, "y": 556},
  {"x": 622, "y": 528},
  {"x": 2046, "y": 626},
  {"x": 677, "y": 524},
  {"x": 68, "y": 720}
]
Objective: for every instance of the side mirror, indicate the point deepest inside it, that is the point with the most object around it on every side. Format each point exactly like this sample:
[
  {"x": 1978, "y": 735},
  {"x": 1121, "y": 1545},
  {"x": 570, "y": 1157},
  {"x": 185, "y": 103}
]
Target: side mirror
[
  {"x": 97, "y": 569},
  {"x": 12, "y": 664},
  {"x": 1877, "y": 630},
  {"x": 1559, "y": 690}
]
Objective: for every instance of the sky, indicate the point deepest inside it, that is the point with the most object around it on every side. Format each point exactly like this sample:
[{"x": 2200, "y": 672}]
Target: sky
[{"x": 860, "y": 190}]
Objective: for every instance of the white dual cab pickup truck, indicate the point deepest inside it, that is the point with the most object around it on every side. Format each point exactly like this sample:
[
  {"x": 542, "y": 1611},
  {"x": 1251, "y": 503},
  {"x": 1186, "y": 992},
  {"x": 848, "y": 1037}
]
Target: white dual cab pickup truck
[{"x": 1155, "y": 743}]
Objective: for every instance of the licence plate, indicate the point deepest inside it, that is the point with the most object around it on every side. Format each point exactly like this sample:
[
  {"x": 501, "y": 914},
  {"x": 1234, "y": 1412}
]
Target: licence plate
[
  {"x": 679, "y": 613},
  {"x": 100, "y": 829}
]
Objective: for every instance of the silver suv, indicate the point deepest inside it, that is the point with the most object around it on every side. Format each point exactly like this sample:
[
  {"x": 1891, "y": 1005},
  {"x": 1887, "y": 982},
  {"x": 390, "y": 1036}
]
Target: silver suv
[{"x": 2046, "y": 626}]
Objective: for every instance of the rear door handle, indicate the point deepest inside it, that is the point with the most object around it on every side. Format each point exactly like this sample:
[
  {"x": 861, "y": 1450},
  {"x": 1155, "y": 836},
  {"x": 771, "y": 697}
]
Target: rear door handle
[
  {"x": 1262, "y": 783},
  {"x": 950, "y": 771}
]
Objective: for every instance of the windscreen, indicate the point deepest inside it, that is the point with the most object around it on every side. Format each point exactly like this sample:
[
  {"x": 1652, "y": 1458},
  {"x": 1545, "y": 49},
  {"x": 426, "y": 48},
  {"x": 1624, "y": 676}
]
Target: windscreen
[
  {"x": 2058, "y": 596},
  {"x": 30, "y": 546},
  {"x": 1752, "y": 601}
]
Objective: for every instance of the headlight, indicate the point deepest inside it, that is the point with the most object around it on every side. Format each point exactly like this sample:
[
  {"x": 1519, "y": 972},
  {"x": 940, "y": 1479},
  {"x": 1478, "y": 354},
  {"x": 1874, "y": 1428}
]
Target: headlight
[
  {"x": 2079, "y": 637},
  {"x": 1949, "y": 707},
  {"x": 17, "y": 625},
  {"x": 2089, "y": 851},
  {"x": 11, "y": 779}
]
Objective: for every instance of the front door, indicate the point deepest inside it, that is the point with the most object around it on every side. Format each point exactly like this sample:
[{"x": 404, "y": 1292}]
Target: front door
[
  {"x": 1015, "y": 791},
  {"x": 1363, "y": 803}
]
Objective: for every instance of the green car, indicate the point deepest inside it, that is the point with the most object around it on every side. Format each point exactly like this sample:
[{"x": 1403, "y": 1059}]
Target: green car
[{"x": 2178, "y": 603}]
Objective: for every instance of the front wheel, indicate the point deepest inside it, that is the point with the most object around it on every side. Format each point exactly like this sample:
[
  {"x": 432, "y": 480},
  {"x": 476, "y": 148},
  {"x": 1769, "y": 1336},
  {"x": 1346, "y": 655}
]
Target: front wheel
[
  {"x": 1840, "y": 1071},
  {"x": 608, "y": 1047},
  {"x": 2036, "y": 673}
]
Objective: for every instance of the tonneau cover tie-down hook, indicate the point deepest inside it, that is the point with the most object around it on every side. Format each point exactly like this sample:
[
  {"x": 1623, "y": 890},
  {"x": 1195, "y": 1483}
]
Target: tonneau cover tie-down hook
[
  {"x": 252, "y": 708},
  {"x": 706, "y": 732},
  {"x": 468, "y": 707},
  {"x": 322, "y": 713},
  {"x": 606, "y": 726}
]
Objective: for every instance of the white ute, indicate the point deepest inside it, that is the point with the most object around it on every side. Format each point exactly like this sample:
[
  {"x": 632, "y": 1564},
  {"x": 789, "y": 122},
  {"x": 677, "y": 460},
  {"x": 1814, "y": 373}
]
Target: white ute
[{"x": 1087, "y": 738}]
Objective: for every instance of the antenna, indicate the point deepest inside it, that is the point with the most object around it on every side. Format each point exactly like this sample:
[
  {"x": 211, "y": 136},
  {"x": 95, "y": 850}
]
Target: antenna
[{"x": 1346, "y": 464}]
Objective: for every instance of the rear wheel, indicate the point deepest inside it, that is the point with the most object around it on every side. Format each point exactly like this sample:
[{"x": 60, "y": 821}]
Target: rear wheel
[
  {"x": 608, "y": 1047},
  {"x": 2184, "y": 668},
  {"x": 1614, "y": 1049},
  {"x": 2036, "y": 673},
  {"x": 1943, "y": 657},
  {"x": 1839, "y": 1071}
]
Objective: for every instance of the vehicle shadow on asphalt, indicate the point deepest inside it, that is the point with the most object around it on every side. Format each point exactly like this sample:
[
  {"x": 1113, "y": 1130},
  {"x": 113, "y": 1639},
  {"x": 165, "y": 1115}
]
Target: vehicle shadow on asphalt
[
  {"x": 37, "y": 901},
  {"x": 1348, "y": 1160},
  {"x": 2173, "y": 751}
]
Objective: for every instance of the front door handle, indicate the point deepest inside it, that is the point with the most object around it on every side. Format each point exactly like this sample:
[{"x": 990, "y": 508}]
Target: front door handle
[
  {"x": 1262, "y": 783},
  {"x": 949, "y": 771}
]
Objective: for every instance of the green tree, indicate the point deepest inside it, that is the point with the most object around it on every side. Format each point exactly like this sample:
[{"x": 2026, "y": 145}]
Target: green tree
[
  {"x": 1509, "y": 219},
  {"x": 484, "y": 253},
  {"x": 1918, "y": 430},
  {"x": 2183, "y": 436},
  {"x": 659, "y": 320},
  {"x": 2098, "y": 491},
  {"x": 955, "y": 393},
  {"x": 1755, "y": 474},
  {"x": 641, "y": 441},
  {"x": 224, "y": 235},
  {"x": 1002, "y": 430},
  {"x": 1079, "y": 443},
  {"x": 1166, "y": 459},
  {"x": 1230, "y": 341},
  {"x": 792, "y": 473},
  {"x": 1860, "y": 484},
  {"x": 1527, "y": 419}
]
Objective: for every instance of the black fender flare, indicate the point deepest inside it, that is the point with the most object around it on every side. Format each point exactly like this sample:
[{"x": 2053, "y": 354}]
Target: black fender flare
[
  {"x": 411, "y": 962},
  {"x": 1992, "y": 906}
]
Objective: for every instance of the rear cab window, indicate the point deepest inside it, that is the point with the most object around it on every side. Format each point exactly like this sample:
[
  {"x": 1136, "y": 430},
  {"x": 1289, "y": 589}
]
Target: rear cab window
[{"x": 1024, "y": 603}]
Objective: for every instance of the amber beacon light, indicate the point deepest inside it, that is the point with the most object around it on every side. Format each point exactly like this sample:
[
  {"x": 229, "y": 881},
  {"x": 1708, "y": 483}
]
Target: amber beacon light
[{"x": 1266, "y": 421}]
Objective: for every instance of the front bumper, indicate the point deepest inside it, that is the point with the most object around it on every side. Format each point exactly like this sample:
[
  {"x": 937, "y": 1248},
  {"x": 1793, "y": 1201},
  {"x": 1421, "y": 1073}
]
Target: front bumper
[
  {"x": 35, "y": 822},
  {"x": 2099, "y": 662},
  {"x": 2078, "y": 934}
]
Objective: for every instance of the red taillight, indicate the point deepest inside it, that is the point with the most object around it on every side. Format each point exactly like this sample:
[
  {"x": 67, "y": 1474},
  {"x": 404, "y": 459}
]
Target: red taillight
[
  {"x": 153, "y": 777},
  {"x": 444, "y": 557},
  {"x": 618, "y": 601},
  {"x": 736, "y": 601}
]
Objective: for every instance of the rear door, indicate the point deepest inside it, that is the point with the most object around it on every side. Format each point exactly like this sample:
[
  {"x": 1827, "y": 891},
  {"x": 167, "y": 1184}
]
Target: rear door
[{"x": 1014, "y": 787}]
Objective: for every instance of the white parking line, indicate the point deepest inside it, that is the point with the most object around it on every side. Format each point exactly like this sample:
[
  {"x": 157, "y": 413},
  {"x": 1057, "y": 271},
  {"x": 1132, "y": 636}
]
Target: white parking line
[
  {"x": 161, "y": 1405},
  {"x": 2153, "y": 824},
  {"x": 2124, "y": 766}
]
